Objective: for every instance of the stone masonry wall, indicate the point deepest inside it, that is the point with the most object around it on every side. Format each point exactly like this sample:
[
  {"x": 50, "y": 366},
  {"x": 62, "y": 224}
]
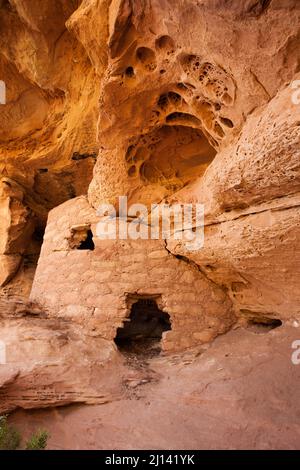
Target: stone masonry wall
[{"x": 96, "y": 288}]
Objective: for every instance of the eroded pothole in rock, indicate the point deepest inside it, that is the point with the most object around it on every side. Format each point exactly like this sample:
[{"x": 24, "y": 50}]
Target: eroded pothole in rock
[{"x": 263, "y": 325}]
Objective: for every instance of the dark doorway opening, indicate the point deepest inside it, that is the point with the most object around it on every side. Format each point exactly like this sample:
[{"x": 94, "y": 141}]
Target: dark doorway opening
[{"x": 142, "y": 332}]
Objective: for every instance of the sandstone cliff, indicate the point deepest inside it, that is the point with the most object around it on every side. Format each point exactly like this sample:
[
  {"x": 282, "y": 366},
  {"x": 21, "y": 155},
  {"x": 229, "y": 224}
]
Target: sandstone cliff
[{"x": 164, "y": 102}]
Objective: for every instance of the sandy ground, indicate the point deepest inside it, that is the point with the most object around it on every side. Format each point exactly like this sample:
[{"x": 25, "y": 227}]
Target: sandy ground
[{"x": 240, "y": 393}]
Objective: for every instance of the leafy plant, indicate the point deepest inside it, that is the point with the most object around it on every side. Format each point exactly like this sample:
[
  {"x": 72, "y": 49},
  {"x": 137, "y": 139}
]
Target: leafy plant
[
  {"x": 38, "y": 441},
  {"x": 9, "y": 437}
]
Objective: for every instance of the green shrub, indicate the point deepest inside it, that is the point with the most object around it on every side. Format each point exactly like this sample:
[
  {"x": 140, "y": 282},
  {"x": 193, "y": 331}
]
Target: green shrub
[
  {"x": 38, "y": 441},
  {"x": 9, "y": 437}
]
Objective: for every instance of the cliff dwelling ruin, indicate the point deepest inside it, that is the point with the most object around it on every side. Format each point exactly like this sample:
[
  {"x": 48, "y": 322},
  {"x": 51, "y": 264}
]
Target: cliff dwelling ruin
[{"x": 164, "y": 103}]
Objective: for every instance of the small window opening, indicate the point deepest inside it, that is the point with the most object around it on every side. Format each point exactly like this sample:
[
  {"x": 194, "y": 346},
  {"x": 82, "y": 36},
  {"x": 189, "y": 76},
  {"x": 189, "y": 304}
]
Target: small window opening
[
  {"x": 142, "y": 332},
  {"x": 88, "y": 243},
  {"x": 81, "y": 239}
]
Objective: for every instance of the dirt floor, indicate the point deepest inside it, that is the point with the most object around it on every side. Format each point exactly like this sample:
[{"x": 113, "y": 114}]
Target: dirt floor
[{"x": 242, "y": 392}]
